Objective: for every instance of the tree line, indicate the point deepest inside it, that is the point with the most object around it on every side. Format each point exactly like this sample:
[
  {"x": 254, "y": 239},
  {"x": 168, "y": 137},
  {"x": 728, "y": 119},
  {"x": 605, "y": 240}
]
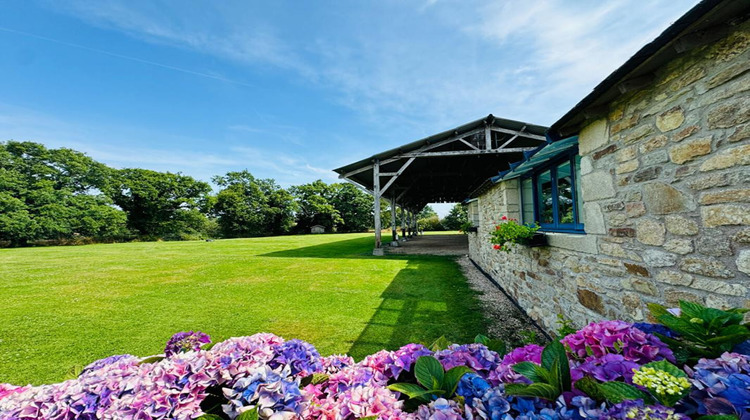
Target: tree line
[{"x": 62, "y": 195}]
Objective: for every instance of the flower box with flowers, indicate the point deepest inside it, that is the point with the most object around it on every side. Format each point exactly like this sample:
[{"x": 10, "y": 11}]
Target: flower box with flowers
[
  {"x": 606, "y": 370},
  {"x": 509, "y": 232}
]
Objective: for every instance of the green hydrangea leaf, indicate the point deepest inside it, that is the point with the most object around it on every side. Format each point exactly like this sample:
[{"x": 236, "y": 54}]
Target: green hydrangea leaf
[
  {"x": 532, "y": 371},
  {"x": 429, "y": 372},
  {"x": 452, "y": 377},
  {"x": 617, "y": 392},
  {"x": 665, "y": 366},
  {"x": 545, "y": 391},
  {"x": 249, "y": 415}
]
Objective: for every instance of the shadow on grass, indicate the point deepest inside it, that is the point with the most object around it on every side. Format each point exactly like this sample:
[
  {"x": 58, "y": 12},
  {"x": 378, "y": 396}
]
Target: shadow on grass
[
  {"x": 347, "y": 248},
  {"x": 426, "y": 299}
]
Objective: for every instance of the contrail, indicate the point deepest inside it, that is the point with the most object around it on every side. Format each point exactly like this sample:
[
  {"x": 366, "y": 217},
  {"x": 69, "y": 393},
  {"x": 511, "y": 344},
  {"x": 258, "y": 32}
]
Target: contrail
[{"x": 125, "y": 57}]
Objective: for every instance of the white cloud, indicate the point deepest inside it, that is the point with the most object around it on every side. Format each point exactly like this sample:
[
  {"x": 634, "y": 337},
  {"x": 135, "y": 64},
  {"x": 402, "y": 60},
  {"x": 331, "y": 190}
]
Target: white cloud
[
  {"x": 421, "y": 67},
  {"x": 575, "y": 45},
  {"x": 227, "y": 32}
]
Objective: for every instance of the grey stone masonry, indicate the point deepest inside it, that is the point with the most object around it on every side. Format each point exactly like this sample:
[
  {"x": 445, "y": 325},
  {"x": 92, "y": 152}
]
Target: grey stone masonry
[{"x": 666, "y": 190}]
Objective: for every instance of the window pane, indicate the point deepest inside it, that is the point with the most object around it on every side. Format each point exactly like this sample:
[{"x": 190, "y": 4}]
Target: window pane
[
  {"x": 527, "y": 200},
  {"x": 545, "y": 197},
  {"x": 579, "y": 195},
  {"x": 565, "y": 193}
]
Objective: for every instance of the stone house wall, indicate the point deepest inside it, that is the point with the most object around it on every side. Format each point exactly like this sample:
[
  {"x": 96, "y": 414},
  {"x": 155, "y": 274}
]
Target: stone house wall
[{"x": 666, "y": 190}]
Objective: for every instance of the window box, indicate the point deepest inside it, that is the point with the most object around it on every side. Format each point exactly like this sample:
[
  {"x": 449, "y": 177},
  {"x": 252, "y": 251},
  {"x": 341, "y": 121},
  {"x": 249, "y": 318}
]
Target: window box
[{"x": 539, "y": 239}]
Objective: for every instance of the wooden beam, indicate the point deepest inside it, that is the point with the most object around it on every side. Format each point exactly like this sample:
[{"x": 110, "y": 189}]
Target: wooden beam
[
  {"x": 515, "y": 136},
  {"x": 356, "y": 184},
  {"x": 421, "y": 149},
  {"x": 400, "y": 171},
  {"x": 470, "y": 152},
  {"x": 522, "y": 134},
  {"x": 487, "y": 137},
  {"x": 468, "y": 144}
]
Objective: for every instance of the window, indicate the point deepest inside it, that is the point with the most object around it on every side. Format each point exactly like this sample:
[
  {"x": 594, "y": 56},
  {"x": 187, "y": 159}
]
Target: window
[
  {"x": 474, "y": 213},
  {"x": 551, "y": 196},
  {"x": 527, "y": 196}
]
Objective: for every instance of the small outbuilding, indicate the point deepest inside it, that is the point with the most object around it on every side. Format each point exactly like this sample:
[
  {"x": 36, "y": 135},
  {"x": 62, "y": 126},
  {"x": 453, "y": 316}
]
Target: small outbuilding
[{"x": 318, "y": 229}]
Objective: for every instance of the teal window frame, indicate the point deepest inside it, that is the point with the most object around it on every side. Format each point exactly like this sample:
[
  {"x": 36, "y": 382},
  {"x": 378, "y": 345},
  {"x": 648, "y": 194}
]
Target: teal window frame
[{"x": 577, "y": 226}]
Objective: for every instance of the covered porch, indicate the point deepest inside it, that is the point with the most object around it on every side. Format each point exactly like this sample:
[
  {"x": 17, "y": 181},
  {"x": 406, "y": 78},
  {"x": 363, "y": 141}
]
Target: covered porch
[{"x": 443, "y": 168}]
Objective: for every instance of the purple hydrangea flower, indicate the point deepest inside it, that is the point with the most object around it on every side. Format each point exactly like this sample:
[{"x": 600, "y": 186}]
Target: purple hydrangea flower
[
  {"x": 405, "y": 357},
  {"x": 102, "y": 363},
  {"x": 440, "y": 409},
  {"x": 300, "y": 356},
  {"x": 186, "y": 341},
  {"x": 722, "y": 385},
  {"x": 619, "y": 337},
  {"x": 336, "y": 362},
  {"x": 476, "y": 356},
  {"x": 610, "y": 367},
  {"x": 504, "y": 372}
]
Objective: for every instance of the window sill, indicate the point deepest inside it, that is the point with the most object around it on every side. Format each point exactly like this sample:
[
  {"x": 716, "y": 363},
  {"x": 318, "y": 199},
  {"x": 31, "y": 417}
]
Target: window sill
[{"x": 573, "y": 241}]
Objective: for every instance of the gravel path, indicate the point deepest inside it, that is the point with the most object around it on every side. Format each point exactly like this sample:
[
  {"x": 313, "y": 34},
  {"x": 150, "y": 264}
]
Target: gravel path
[
  {"x": 505, "y": 321},
  {"x": 433, "y": 245}
]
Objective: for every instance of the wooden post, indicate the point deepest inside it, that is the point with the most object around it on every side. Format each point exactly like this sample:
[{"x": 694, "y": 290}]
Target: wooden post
[
  {"x": 394, "y": 232},
  {"x": 403, "y": 223},
  {"x": 376, "y": 194}
]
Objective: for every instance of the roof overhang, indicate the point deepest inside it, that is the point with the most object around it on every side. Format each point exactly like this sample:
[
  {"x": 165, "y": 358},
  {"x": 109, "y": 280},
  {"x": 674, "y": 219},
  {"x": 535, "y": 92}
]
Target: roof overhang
[{"x": 448, "y": 166}]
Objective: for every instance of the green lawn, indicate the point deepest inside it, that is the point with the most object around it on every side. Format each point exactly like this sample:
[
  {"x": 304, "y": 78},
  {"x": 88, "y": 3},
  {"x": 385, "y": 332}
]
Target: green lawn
[{"x": 67, "y": 306}]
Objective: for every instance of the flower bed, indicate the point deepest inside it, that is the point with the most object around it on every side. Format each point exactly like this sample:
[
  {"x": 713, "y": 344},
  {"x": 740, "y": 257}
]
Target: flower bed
[{"x": 606, "y": 370}]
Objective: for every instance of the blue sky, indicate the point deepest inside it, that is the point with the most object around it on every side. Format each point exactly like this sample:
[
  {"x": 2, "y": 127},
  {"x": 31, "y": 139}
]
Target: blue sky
[{"x": 290, "y": 90}]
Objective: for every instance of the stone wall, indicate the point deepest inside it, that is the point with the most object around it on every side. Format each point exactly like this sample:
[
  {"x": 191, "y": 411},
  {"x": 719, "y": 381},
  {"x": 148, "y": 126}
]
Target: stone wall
[{"x": 666, "y": 190}]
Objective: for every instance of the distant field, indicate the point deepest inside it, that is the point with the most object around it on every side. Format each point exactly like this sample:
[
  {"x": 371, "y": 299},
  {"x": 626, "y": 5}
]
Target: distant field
[{"x": 67, "y": 306}]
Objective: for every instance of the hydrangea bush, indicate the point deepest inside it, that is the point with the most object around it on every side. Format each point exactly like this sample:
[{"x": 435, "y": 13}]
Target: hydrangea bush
[{"x": 616, "y": 371}]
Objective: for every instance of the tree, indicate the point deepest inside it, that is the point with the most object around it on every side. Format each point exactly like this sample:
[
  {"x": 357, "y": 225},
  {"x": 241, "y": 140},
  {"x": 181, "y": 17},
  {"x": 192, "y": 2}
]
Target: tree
[
  {"x": 54, "y": 194},
  {"x": 314, "y": 207},
  {"x": 456, "y": 218},
  {"x": 252, "y": 207},
  {"x": 354, "y": 206},
  {"x": 426, "y": 212},
  {"x": 160, "y": 204}
]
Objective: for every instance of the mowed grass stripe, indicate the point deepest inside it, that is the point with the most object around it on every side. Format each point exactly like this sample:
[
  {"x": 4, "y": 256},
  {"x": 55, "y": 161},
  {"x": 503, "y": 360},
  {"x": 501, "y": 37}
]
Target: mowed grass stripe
[{"x": 67, "y": 306}]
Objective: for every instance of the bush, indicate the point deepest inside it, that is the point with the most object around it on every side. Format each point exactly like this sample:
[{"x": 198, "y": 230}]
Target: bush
[
  {"x": 590, "y": 374},
  {"x": 431, "y": 223}
]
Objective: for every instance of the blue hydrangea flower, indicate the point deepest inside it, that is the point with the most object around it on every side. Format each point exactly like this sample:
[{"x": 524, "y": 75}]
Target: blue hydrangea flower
[{"x": 472, "y": 386}]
